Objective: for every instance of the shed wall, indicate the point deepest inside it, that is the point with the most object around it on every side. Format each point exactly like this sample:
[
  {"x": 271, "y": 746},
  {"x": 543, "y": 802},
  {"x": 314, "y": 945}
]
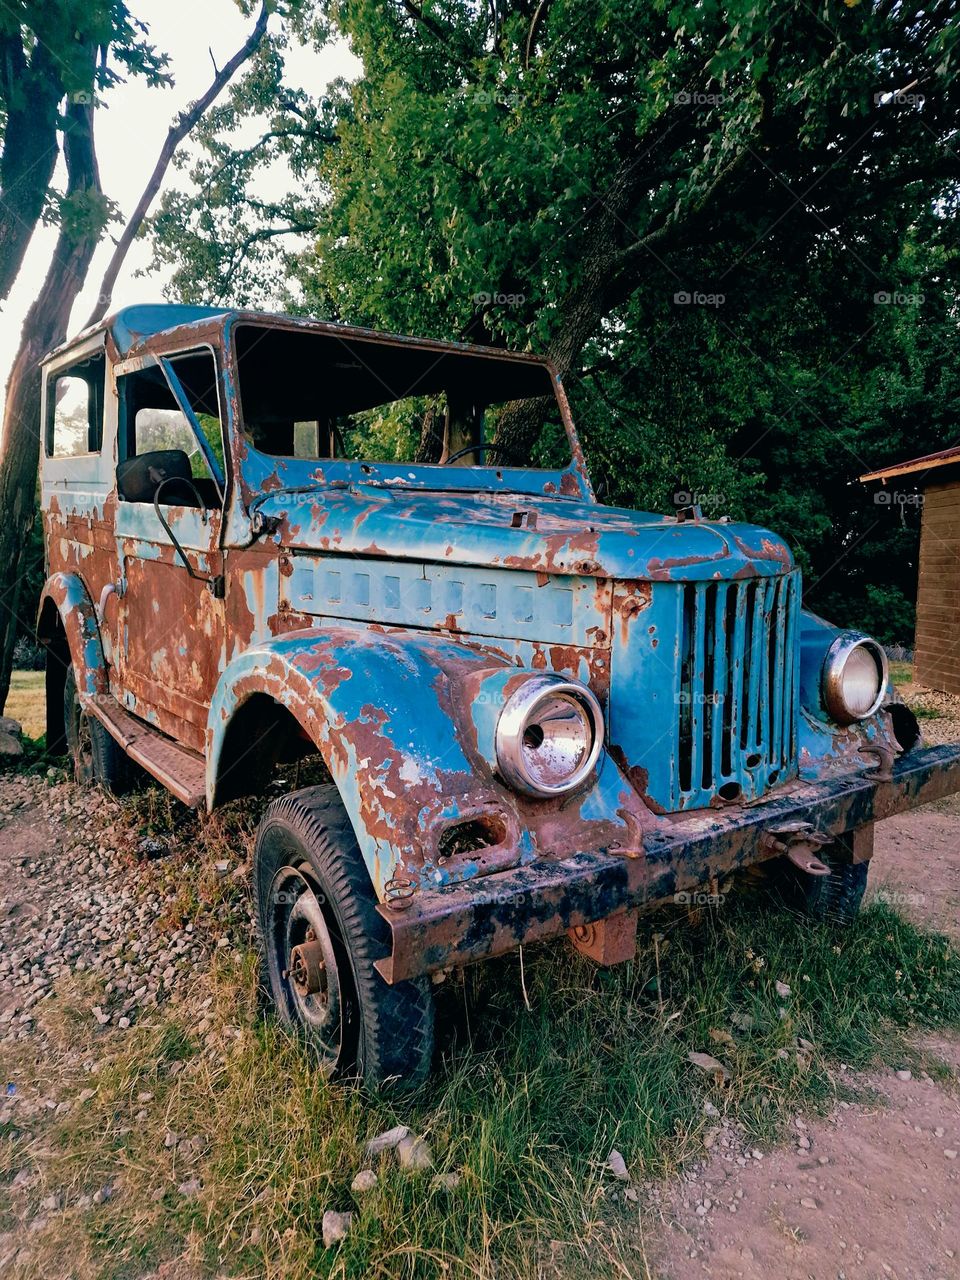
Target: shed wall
[{"x": 937, "y": 657}]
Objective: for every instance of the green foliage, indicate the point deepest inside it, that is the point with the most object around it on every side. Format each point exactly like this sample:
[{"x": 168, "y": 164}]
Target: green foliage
[{"x": 555, "y": 175}]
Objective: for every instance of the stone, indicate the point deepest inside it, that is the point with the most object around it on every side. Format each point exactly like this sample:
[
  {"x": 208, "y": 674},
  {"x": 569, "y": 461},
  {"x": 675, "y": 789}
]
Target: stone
[
  {"x": 808, "y": 1203},
  {"x": 365, "y": 1180},
  {"x": 617, "y": 1165},
  {"x": 414, "y": 1154},
  {"x": 335, "y": 1227},
  {"x": 11, "y": 748},
  {"x": 191, "y": 1188},
  {"x": 904, "y": 1075},
  {"x": 782, "y": 989},
  {"x": 386, "y": 1141}
]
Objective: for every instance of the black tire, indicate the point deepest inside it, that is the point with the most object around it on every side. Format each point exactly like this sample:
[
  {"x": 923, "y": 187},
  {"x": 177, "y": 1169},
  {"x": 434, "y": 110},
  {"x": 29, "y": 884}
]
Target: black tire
[
  {"x": 837, "y": 897},
  {"x": 96, "y": 756},
  {"x": 320, "y": 934}
]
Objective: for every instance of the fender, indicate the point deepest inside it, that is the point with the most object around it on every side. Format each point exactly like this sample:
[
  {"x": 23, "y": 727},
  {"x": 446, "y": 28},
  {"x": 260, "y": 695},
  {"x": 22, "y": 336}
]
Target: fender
[
  {"x": 382, "y": 711},
  {"x": 67, "y": 593}
]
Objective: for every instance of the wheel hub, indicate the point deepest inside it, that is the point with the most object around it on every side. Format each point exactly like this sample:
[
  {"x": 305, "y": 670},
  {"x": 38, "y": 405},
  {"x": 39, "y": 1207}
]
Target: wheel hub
[{"x": 307, "y": 967}]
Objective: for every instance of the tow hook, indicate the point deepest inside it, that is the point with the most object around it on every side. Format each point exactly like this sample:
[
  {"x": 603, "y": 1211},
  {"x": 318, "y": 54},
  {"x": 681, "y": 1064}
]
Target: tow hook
[
  {"x": 799, "y": 841},
  {"x": 885, "y": 757}
]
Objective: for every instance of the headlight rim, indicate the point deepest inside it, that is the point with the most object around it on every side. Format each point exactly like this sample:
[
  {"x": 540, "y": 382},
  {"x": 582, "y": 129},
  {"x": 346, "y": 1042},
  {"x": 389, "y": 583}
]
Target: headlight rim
[
  {"x": 514, "y": 718},
  {"x": 832, "y": 676}
]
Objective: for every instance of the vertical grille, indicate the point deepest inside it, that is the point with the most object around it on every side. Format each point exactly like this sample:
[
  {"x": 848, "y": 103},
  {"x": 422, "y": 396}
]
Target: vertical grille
[{"x": 737, "y": 700}]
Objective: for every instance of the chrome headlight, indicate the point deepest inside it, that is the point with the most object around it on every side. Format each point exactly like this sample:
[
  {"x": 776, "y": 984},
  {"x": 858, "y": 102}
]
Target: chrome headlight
[
  {"x": 549, "y": 735},
  {"x": 854, "y": 678}
]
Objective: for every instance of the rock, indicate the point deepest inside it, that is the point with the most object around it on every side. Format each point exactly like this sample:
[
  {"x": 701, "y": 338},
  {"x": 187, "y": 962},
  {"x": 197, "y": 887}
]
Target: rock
[
  {"x": 335, "y": 1227},
  {"x": 414, "y": 1154},
  {"x": 803, "y": 1142},
  {"x": 365, "y": 1180},
  {"x": 386, "y": 1141},
  {"x": 11, "y": 748},
  {"x": 709, "y": 1109},
  {"x": 617, "y": 1165},
  {"x": 707, "y": 1062},
  {"x": 10, "y": 726},
  {"x": 782, "y": 989},
  {"x": 102, "y": 1195},
  {"x": 191, "y": 1188},
  {"x": 904, "y": 1075},
  {"x": 85, "y": 1095},
  {"x": 808, "y": 1203},
  {"x": 950, "y": 1153}
]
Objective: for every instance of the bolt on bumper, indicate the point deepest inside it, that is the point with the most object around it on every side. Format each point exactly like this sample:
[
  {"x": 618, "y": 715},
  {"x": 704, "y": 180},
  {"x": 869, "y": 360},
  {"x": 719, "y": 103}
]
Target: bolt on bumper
[{"x": 490, "y": 915}]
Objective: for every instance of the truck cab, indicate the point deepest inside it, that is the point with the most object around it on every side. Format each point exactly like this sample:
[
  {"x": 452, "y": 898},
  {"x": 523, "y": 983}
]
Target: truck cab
[{"x": 533, "y": 714}]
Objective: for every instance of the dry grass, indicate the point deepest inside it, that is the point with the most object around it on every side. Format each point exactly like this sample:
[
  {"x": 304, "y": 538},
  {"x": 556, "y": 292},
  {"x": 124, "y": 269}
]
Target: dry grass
[{"x": 26, "y": 702}]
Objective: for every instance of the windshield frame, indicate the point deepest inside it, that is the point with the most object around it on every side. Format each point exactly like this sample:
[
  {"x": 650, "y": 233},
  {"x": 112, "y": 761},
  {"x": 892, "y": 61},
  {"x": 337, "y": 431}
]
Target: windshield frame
[{"x": 263, "y": 473}]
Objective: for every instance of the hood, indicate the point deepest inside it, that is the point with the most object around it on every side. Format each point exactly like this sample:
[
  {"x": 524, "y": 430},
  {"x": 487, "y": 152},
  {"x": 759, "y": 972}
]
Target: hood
[{"x": 520, "y": 531}]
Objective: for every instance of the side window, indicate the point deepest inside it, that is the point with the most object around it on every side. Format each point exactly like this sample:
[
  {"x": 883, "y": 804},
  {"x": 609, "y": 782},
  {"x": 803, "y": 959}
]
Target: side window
[
  {"x": 75, "y": 409},
  {"x": 158, "y": 440}
]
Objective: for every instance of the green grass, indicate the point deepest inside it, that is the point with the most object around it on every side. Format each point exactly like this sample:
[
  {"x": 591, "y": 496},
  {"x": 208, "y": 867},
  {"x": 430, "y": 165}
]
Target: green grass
[{"x": 526, "y": 1103}]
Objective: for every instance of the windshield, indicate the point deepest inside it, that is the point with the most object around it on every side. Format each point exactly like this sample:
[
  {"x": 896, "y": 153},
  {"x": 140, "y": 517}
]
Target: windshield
[{"x": 313, "y": 395}]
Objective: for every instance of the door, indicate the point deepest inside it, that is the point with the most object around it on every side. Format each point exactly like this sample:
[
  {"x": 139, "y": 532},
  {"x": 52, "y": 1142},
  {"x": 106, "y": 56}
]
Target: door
[{"x": 170, "y": 490}]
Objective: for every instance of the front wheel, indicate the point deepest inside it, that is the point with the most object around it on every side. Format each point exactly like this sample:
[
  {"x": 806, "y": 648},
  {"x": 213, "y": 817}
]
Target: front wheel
[{"x": 321, "y": 933}]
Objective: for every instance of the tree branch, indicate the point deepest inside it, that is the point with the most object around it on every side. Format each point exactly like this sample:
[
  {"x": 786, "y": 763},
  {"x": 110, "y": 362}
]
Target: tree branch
[{"x": 177, "y": 132}]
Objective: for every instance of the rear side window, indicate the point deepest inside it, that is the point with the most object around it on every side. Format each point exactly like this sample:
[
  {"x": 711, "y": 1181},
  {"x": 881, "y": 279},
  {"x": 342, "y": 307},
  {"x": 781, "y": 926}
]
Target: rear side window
[{"x": 75, "y": 409}]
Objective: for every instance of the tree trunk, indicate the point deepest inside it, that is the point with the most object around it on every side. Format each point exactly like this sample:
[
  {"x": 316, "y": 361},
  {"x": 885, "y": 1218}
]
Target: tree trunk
[
  {"x": 30, "y": 148},
  {"x": 44, "y": 327}
]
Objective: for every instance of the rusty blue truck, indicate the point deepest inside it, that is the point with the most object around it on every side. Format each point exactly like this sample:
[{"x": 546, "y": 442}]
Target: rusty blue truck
[{"x": 272, "y": 539}]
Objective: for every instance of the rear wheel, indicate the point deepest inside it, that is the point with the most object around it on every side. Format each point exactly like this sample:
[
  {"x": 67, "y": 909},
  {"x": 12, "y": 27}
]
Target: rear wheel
[
  {"x": 97, "y": 757},
  {"x": 321, "y": 934}
]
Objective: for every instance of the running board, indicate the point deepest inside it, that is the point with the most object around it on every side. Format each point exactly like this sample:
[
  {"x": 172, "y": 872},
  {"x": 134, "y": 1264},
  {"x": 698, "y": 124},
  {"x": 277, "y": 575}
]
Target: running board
[{"x": 179, "y": 770}]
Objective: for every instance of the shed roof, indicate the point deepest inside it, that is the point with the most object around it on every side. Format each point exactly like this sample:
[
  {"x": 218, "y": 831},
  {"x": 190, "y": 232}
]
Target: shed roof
[{"x": 928, "y": 462}]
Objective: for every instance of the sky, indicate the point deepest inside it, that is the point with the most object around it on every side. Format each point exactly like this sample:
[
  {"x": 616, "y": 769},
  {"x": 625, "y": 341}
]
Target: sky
[{"x": 130, "y": 129}]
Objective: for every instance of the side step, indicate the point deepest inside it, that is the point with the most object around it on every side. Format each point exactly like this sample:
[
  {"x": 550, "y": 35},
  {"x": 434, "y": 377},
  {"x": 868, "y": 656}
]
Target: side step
[{"x": 181, "y": 771}]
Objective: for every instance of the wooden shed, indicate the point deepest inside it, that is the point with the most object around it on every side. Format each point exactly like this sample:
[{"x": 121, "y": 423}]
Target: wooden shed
[{"x": 937, "y": 643}]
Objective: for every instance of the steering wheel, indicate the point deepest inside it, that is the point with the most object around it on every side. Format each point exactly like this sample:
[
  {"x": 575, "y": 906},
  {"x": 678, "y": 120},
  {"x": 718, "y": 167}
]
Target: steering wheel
[{"x": 483, "y": 448}]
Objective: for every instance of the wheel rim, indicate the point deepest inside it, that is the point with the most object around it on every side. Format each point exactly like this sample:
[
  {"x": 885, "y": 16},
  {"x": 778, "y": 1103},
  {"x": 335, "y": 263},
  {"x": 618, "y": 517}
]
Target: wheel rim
[{"x": 303, "y": 965}]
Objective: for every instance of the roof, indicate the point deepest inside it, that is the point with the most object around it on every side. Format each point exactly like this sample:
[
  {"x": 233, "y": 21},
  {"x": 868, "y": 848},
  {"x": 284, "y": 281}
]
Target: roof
[
  {"x": 132, "y": 325},
  {"x": 929, "y": 462}
]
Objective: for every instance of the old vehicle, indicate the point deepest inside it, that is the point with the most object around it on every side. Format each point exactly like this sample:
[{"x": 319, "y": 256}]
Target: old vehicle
[{"x": 537, "y": 715}]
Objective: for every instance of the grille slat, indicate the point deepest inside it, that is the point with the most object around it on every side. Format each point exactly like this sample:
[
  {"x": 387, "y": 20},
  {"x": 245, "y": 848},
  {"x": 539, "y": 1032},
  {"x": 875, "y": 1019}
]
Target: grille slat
[{"x": 737, "y": 726}]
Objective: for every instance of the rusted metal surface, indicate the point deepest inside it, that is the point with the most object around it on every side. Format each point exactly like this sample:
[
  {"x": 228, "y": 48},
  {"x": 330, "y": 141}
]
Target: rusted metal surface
[
  {"x": 607, "y": 942},
  {"x": 381, "y": 613}
]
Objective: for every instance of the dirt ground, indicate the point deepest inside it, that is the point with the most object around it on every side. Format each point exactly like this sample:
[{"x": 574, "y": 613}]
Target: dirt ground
[{"x": 871, "y": 1191}]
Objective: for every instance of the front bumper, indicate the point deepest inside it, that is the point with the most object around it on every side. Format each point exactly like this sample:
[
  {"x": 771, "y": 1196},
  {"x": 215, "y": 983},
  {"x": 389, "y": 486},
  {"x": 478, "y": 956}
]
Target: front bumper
[{"x": 490, "y": 915}]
